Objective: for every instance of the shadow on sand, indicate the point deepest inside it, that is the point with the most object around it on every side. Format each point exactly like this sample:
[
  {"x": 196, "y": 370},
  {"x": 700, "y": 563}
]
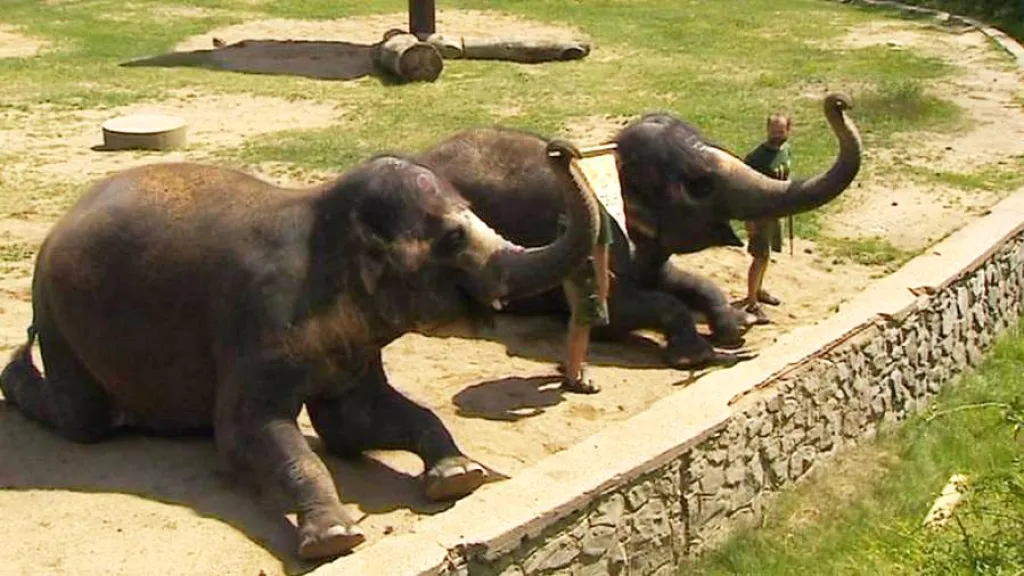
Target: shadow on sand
[
  {"x": 188, "y": 472},
  {"x": 513, "y": 398},
  {"x": 318, "y": 59}
]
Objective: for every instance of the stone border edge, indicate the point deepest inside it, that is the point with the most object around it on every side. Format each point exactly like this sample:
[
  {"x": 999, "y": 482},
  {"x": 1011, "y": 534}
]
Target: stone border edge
[{"x": 487, "y": 529}]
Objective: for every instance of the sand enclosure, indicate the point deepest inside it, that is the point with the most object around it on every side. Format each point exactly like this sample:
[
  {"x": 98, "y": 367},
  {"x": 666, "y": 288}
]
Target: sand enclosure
[{"x": 132, "y": 504}]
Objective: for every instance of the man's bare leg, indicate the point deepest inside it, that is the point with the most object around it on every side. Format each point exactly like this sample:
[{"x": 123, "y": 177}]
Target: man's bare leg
[
  {"x": 755, "y": 277},
  {"x": 577, "y": 343}
]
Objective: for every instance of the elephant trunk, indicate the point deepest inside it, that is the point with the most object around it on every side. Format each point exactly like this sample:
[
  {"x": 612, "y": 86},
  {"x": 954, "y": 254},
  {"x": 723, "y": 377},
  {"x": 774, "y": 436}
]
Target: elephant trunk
[
  {"x": 753, "y": 196},
  {"x": 528, "y": 271}
]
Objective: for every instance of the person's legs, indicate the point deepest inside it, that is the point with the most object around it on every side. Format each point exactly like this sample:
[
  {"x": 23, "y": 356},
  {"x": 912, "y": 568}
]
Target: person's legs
[
  {"x": 759, "y": 236},
  {"x": 586, "y": 310},
  {"x": 772, "y": 229}
]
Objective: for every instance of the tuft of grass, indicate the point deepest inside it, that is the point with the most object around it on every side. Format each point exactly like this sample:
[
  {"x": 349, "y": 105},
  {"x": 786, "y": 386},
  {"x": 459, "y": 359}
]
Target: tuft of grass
[
  {"x": 1002, "y": 176},
  {"x": 873, "y": 251},
  {"x": 863, "y": 513},
  {"x": 897, "y": 106},
  {"x": 17, "y": 252}
]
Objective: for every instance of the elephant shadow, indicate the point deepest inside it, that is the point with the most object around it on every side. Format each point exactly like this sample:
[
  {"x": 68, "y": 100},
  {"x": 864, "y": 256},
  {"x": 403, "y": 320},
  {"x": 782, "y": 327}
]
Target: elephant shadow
[
  {"x": 316, "y": 59},
  {"x": 187, "y": 472}
]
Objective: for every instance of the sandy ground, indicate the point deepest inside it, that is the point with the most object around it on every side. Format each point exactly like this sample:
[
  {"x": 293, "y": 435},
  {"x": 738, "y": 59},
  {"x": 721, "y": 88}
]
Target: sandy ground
[
  {"x": 14, "y": 44},
  {"x": 133, "y": 504}
]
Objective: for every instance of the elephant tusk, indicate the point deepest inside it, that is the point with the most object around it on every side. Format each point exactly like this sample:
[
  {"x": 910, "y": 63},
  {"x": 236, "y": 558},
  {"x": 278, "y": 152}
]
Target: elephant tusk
[{"x": 497, "y": 305}]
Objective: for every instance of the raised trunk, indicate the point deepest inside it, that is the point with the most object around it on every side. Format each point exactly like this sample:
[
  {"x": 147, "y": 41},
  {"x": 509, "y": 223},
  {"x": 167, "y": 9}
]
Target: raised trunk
[
  {"x": 751, "y": 195},
  {"x": 533, "y": 270}
]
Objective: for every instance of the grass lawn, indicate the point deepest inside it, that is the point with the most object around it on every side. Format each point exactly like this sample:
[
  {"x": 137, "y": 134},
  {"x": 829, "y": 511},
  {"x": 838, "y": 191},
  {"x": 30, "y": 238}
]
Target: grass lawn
[
  {"x": 863, "y": 514},
  {"x": 722, "y": 64}
]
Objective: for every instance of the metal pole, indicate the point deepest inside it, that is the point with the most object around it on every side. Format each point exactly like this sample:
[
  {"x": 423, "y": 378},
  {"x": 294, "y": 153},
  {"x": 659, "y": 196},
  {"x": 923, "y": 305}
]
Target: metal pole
[{"x": 421, "y": 18}]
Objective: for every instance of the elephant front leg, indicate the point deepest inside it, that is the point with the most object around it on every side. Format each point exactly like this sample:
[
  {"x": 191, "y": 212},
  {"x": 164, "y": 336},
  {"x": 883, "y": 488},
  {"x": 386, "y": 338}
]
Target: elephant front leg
[
  {"x": 727, "y": 324},
  {"x": 372, "y": 415},
  {"x": 633, "y": 308},
  {"x": 270, "y": 448}
]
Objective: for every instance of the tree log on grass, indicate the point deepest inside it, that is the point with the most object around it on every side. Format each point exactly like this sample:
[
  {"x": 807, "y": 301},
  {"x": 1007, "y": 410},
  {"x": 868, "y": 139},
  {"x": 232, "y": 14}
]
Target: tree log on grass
[
  {"x": 516, "y": 49},
  {"x": 406, "y": 58}
]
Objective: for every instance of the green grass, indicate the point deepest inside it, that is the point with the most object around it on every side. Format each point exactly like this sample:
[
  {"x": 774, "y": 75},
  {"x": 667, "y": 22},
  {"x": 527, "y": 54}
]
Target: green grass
[
  {"x": 863, "y": 513},
  {"x": 1003, "y": 176},
  {"x": 722, "y": 64},
  {"x": 874, "y": 251}
]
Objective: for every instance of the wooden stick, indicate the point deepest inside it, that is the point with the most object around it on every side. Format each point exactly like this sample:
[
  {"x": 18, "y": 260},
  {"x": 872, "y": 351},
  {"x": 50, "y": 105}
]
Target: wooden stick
[{"x": 589, "y": 151}]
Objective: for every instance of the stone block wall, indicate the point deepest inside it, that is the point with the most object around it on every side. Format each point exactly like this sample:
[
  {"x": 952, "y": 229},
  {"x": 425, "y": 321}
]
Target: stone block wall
[{"x": 883, "y": 372}]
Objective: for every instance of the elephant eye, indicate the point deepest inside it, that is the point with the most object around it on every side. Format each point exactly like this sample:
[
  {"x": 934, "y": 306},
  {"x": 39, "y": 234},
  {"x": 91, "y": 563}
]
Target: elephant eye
[{"x": 452, "y": 241}]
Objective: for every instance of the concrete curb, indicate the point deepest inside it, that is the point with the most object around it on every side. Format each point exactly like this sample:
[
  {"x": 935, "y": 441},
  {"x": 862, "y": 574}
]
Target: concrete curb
[{"x": 644, "y": 493}]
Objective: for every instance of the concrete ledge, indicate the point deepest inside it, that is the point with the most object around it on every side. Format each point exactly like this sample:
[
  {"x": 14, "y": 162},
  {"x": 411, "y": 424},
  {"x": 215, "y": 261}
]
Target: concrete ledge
[{"x": 644, "y": 493}]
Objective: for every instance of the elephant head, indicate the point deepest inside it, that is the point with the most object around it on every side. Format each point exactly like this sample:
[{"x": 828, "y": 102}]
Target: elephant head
[
  {"x": 426, "y": 258},
  {"x": 685, "y": 190}
]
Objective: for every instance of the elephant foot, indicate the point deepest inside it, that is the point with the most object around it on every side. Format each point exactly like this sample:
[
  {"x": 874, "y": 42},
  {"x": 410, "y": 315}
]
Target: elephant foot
[
  {"x": 454, "y": 478},
  {"x": 327, "y": 539},
  {"x": 728, "y": 327},
  {"x": 708, "y": 358}
]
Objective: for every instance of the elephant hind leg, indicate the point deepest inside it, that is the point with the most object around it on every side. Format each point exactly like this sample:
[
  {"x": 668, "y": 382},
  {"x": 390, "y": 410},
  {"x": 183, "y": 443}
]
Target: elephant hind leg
[
  {"x": 372, "y": 415},
  {"x": 68, "y": 400}
]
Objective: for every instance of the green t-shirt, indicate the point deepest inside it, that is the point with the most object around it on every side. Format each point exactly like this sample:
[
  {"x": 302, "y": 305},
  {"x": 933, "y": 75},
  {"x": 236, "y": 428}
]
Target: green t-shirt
[
  {"x": 771, "y": 163},
  {"x": 604, "y": 231}
]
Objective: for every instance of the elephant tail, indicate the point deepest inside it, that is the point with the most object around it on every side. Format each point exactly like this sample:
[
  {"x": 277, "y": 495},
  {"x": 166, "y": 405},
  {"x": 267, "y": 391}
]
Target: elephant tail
[{"x": 20, "y": 370}]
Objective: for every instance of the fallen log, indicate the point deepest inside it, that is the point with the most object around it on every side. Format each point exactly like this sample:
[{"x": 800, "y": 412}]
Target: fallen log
[
  {"x": 528, "y": 50},
  {"x": 406, "y": 58}
]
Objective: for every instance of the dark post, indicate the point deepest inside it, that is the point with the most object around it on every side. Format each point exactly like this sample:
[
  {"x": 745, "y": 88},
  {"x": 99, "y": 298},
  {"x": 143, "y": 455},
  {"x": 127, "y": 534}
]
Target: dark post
[{"x": 421, "y": 18}]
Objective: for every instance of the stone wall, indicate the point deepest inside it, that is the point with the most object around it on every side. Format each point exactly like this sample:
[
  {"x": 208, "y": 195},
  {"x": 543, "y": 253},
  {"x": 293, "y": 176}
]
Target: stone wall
[{"x": 885, "y": 371}]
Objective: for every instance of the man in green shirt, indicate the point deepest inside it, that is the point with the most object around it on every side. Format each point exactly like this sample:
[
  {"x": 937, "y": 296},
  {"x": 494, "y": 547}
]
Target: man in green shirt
[
  {"x": 771, "y": 158},
  {"x": 586, "y": 290}
]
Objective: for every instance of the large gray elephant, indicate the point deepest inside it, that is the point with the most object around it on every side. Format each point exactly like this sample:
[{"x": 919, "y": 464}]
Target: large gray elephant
[
  {"x": 680, "y": 192},
  {"x": 183, "y": 297}
]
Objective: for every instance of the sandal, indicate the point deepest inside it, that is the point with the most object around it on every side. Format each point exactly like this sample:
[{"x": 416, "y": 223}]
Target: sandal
[
  {"x": 765, "y": 297},
  {"x": 760, "y": 317},
  {"x": 580, "y": 385}
]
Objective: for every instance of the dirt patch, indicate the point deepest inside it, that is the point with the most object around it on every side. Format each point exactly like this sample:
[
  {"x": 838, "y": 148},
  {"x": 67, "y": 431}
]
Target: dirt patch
[
  {"x": 133, "y": 503},
  {"x": 593, "y": 130},
  {"x": 63, "y": 146},
  {"x": 14, "y": 44},
  {"x": 911, "y": 214}
]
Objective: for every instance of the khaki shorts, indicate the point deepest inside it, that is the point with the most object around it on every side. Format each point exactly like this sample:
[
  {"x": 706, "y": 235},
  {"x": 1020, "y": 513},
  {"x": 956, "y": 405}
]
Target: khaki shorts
[
  {"x": 581, "y": 291},
  {"x": 764, "y": 235}
]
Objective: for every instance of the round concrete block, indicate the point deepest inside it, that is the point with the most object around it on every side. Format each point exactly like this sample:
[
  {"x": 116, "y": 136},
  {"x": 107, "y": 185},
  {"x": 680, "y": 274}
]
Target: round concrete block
[{"x": 145, "y": 132}]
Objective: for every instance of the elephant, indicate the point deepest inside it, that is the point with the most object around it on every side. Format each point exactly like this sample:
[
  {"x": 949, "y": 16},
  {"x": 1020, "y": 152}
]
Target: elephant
[
  {"x": 680, "y": 192},
  {"x": 190, "y": 298}
]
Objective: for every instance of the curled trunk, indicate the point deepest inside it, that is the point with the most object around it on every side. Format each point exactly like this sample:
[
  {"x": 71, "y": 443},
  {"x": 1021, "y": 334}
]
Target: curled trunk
[
  {"x": 528, "y": 271},
  {"x": 750, "y": 195}
]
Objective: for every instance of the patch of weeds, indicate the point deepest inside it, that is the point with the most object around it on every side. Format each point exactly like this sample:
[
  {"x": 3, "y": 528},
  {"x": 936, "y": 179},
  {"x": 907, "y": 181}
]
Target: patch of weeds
[
  {"x": 17, "y": 252},
  {"x": 863, "y": 512},
  {"x": 873, "y": 251},
  {"x": 1001, "y": 176},
  {"x": 902, "y": 106}
]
